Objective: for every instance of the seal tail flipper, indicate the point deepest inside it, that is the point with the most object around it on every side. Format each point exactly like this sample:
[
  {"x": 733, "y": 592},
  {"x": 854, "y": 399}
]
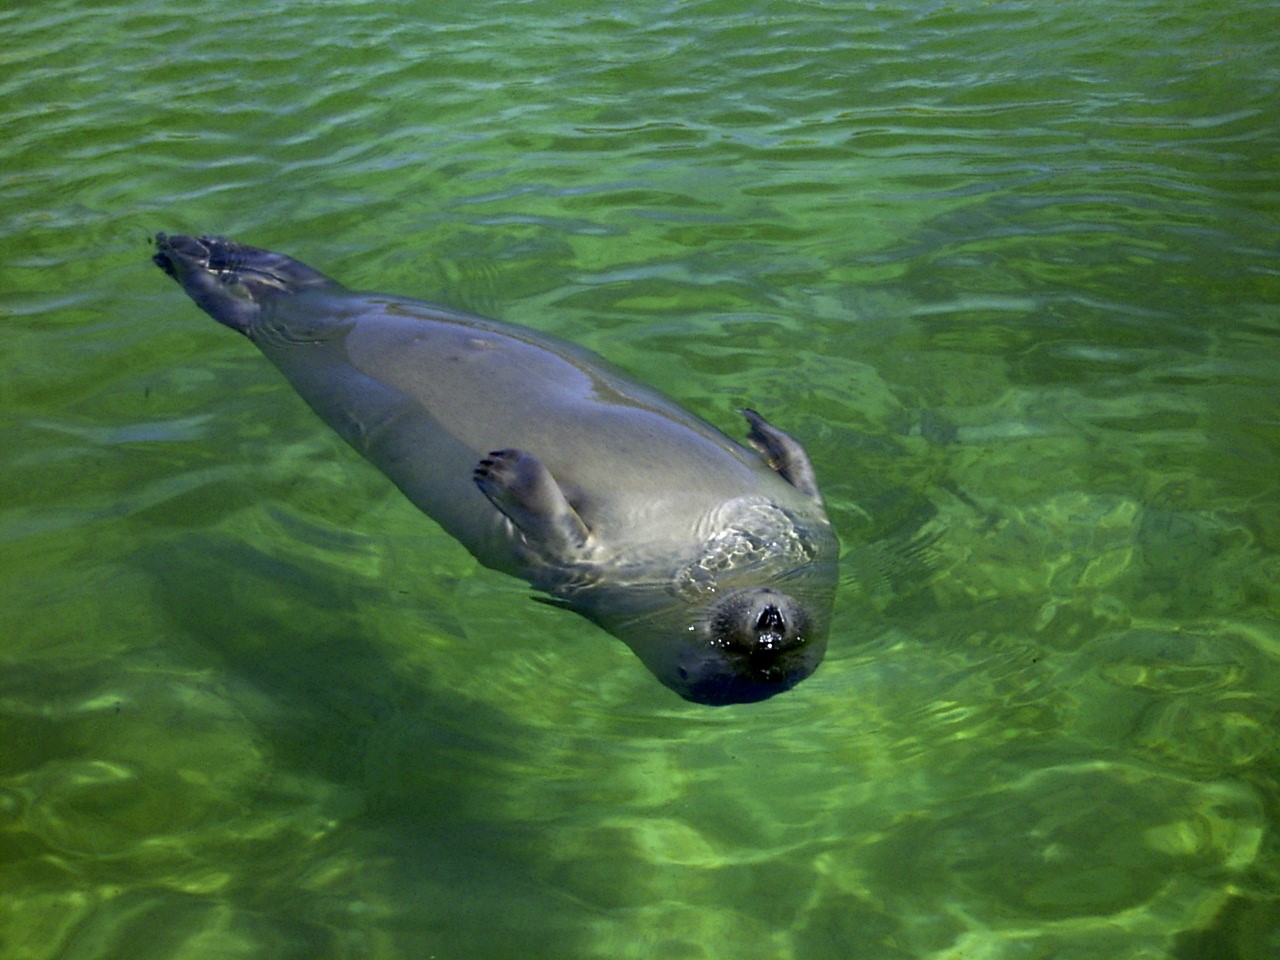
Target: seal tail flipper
[
  {"x": 521, "y": 486},
  {"x": 230, "y": 281},
  {"x": 783, "y": 454}
]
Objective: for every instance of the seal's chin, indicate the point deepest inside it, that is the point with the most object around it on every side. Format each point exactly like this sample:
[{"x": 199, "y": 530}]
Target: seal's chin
[{"x": 721, "y": 689}]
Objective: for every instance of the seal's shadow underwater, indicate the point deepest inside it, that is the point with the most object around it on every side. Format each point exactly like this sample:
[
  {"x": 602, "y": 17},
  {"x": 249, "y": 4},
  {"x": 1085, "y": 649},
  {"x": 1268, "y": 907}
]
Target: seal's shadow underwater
[{"x": 715, "y": 563}]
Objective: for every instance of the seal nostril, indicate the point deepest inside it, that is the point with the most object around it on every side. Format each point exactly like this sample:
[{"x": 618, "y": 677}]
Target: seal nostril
[{"x": 770, "y": 620}]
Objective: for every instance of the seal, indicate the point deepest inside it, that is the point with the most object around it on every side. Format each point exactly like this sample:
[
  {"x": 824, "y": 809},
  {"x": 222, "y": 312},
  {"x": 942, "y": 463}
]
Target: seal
[{"x": 713, "y": 562}]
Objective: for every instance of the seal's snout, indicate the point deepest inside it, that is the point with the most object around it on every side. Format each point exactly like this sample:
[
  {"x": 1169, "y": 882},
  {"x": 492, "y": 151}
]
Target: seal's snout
[
  {"x": 761, "y": 624},
  {"x": 760, "y": 642},
  {"x": 771, "y": 629}
]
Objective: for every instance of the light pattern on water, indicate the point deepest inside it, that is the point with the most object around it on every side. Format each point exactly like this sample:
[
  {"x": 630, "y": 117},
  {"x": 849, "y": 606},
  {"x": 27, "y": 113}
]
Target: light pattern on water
[{"x": 1009, "y": 270}]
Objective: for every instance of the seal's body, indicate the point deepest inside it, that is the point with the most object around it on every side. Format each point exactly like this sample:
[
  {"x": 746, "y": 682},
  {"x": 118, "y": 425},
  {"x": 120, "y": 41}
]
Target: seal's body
[{"x": 715, "y": 566}]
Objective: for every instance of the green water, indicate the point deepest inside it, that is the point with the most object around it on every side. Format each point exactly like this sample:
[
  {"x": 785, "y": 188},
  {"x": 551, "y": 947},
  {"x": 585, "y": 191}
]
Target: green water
[{"x": 1010, "y": 270}]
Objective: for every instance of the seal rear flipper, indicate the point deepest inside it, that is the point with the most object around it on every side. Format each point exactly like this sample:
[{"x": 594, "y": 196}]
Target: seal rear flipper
[
  {"x": 230, "y": 281},
  {"x": 783, "y": 454},
  {"x": 521, "y": 486}
]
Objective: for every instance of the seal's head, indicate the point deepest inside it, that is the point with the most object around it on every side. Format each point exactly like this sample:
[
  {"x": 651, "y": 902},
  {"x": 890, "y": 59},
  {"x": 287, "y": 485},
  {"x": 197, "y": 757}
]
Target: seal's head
[
  {"x": 751, "y": 644},
  {"x": 230, "y": 281}
]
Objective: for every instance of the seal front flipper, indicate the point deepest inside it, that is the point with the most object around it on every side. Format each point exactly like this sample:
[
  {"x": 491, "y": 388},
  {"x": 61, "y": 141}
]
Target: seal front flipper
[
  {"x": 521, "y": 486},
  {"x": 783, "y": 454}
]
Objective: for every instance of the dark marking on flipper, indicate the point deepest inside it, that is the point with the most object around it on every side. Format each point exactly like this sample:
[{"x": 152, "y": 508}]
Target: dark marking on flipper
[{"x": 783, "y": 454}]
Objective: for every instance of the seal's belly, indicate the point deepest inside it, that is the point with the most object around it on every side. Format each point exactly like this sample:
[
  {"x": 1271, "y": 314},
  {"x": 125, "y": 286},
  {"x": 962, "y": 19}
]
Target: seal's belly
[{"x": 627, "y": 458}]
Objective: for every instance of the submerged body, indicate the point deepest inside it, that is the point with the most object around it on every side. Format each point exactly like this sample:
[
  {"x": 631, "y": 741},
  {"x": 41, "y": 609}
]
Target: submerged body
[{"x": 715, "y": 565}]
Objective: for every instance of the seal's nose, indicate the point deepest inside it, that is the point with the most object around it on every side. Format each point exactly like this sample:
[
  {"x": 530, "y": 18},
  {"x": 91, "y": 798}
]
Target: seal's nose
[
  {"x": 771, "y": 630},
  {"x": 770, "y": 620}
]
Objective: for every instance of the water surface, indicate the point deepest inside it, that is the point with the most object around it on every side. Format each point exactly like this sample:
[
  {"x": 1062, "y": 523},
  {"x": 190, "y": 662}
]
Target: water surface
[{"x": 1010, "y": 272}]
